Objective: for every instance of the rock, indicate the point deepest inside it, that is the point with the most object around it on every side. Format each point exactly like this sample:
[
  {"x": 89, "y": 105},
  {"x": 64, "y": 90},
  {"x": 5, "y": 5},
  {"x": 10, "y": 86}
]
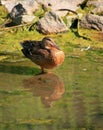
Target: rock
[
  {"x": 95, "y": 3},
  {"x": 28, "y": 18},
  {"x": 98, "y": 10},
  {"x": 17, "y": 11},
  {"x": 61, "y": 4},
  {"x": 21, "y": 11},
  {"x": 51, "y": 23},
  {"x": 29, "y": 5},
  {"x": 92, "y": 21},
  {"x": 19, "y": 15},
  {"x": 98, "y": 6},
  {"x": 8, "y": 4}
]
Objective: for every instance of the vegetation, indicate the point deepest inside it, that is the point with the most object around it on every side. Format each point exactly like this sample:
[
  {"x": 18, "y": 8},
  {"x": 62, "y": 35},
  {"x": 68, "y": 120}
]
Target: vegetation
[
  {"x": 10, "y": 37},
  {"x": 76, "y": 42}
]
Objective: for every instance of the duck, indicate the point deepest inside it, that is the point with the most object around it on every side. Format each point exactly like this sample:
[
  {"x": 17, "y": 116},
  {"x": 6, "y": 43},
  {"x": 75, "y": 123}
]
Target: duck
[{"x": 44, "y": 53}]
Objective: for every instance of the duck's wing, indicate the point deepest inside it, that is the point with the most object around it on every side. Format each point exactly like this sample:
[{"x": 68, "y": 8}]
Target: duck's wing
[
  {"x": 43, "y": 53},
  {"x": 28, "y": 47},
  {"x": 40, "y": 56},
  {"x": 28, "y": 44}
]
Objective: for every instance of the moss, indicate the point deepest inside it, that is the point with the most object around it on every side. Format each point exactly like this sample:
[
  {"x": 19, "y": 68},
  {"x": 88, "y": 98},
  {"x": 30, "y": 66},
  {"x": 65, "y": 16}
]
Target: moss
[
  {"x": 89, "y": 9},
  {"x": 3, "y": 11},
  {"x": 3, "y": 14}
]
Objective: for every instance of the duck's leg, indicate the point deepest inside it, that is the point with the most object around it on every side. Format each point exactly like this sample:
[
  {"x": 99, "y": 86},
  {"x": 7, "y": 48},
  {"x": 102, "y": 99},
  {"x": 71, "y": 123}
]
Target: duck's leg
[{"x": 42, "y": 70}]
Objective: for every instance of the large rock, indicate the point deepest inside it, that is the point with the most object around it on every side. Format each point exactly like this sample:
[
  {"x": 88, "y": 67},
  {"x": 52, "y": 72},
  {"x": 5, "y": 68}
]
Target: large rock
[
  {"x": 92, "y": 21},
  {"x": 19, "y": 15},
  {"x": 29, "y": 5},
  {"x": 51, "y": 23}
]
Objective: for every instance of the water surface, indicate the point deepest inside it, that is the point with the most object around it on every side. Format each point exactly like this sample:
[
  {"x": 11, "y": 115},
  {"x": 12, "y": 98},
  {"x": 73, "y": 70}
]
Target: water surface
[{"x": 70, "y": 97}]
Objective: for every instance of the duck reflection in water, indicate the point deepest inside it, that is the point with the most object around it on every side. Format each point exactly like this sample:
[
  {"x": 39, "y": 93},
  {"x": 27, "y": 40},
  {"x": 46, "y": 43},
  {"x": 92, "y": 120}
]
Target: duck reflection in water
[{"x": 47, "y": 86}]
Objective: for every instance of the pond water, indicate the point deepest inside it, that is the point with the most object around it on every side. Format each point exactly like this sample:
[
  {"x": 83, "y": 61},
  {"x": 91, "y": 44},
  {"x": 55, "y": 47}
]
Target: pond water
[{"x": 70, "y": 97}]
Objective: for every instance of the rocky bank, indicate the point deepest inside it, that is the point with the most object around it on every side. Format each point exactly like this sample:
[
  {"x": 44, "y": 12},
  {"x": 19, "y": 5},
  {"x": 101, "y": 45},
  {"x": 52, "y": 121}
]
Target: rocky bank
[{"x": 52, "y": 16}]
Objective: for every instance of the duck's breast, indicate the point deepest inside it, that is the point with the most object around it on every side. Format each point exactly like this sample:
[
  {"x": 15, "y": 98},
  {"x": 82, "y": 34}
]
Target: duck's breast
[{"x": 59, "y": 57}]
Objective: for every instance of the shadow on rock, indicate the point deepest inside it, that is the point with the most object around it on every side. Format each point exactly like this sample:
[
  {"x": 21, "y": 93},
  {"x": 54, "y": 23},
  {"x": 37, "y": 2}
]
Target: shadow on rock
[{"x": 48, "y": 87}]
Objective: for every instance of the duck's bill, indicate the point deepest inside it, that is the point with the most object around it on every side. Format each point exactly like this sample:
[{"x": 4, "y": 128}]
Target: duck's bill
[{"x": 56, "y": 46}]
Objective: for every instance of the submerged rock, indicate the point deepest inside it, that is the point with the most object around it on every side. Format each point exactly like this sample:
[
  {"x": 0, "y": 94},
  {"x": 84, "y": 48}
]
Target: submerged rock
[
  {"x": 92, "y": 21},
  {"x": 51, "y": 23}
]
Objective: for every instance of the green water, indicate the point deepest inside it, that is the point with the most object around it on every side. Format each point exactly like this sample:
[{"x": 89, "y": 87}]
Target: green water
[{"x": 69, "y": 98}]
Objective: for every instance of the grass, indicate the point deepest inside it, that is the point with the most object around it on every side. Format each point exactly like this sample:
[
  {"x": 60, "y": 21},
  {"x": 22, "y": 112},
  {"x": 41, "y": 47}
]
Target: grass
[{"x": 70, "y": 42}]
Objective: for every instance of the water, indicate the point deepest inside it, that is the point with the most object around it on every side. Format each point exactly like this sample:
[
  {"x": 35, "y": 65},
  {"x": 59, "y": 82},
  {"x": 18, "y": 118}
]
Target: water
[{"x": 68, "y": 98}]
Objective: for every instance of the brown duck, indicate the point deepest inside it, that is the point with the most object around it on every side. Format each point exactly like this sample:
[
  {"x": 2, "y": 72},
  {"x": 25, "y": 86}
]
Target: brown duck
[{"x": 44, "y": 53}]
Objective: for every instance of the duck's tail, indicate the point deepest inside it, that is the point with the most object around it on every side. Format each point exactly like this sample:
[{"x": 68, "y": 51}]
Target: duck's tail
[
  {"x": 26, "y": 44},
  {"x": 27, "y": 48}
]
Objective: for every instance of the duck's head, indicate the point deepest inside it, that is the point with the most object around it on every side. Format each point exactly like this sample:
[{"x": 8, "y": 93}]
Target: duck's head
[{"x": 48, "y": 43}]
